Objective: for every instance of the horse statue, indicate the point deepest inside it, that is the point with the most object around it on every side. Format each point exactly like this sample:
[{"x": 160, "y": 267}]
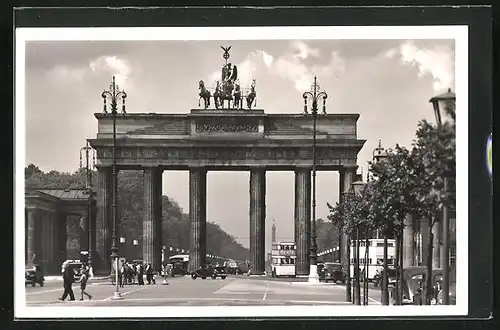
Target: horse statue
[
  {"x": 237, "y": 99},
  {"x": 217, "y": 95},
  {"x": 204, "y": 94},
  {"x": 251, "y": 95}
]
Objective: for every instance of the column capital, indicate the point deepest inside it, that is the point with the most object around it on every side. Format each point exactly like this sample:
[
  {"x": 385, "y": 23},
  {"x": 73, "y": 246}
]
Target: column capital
[
  {"x": 150, "y": 167},
  {"x": 302, "y": 168},
  {"x": 349, "y": 167}
]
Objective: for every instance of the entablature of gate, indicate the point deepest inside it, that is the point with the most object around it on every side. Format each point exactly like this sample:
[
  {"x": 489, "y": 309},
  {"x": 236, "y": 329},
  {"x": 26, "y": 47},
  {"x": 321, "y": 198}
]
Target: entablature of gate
[{"x": 227, "y": 139}]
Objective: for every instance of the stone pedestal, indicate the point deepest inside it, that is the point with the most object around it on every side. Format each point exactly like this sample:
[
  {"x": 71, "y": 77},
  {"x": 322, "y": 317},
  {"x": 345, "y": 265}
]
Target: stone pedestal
[
  {"x": 197, "y": 217},
  {"x": 103, "y": 227},
  {"x": 302, "y": 219},
  {"x": 408, "y": 242},
  {"x": 152, "y": 234},
  {"x": 257, "y": 220}
]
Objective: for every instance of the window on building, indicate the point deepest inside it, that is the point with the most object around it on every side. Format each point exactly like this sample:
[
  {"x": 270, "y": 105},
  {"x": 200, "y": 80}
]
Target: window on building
[
  {"x": 380, "y": 243},
  {"x": 453, "y": 256}
]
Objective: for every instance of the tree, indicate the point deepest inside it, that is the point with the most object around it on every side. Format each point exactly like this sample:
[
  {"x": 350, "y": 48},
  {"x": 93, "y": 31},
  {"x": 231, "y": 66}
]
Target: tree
[
  {"x": 434, "y": 159},
  {"x": 395, "y": 180},
  {"x": 351, "y": 217}
]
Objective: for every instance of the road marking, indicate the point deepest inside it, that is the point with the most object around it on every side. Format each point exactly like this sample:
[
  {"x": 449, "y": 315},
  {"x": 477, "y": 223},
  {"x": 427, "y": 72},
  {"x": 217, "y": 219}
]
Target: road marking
[
  {"x": 265, "y": 293},
  {"x": 39, "y": 292},
  {"x": 166, "y": 299},
  {"x": 127, "y": 292},
  {"x": 373, "y": 300}
]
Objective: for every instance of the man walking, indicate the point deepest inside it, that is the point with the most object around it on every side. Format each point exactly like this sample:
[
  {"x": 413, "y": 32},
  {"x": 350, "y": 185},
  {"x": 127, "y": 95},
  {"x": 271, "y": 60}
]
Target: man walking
[
  {"x": 83, "y": 283},
  {"x": 68, "y": 280}
]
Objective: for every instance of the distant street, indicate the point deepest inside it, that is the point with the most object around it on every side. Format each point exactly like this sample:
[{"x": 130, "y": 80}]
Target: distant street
[{"x": 183, "y": 291}]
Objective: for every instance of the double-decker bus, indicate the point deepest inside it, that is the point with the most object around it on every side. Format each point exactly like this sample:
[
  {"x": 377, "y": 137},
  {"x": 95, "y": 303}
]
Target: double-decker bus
[
  {"x": 283, "y": 257},
  {"x": 375, "y": 255},
  {"x": 178, "y": 264}
]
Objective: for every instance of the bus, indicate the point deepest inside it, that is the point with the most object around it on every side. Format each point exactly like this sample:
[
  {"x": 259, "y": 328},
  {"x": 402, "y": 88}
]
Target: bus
[
  {"x": 283, "y": 257},
  {"x": 375, "y": 256},
  {"x": 179, "y": 264}
]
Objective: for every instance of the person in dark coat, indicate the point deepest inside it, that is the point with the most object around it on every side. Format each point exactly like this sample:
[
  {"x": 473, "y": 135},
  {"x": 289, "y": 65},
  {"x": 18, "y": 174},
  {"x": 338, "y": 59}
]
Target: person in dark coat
[
  {"x": 68, "y": 280},
  {"x": 140, "y": 275}
]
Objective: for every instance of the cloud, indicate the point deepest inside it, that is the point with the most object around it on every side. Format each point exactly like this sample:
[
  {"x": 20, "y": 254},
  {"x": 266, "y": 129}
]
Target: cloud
[
  {"x": 102, "y": 65},
  {"x": 437, "y": 61},
  {"x": 290, "y": 66},
  {"x": 112, "y": 65}
]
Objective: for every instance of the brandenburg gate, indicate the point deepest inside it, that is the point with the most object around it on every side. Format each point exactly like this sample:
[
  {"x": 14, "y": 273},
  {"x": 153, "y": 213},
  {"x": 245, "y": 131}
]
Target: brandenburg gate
[{"x": 220, "y": 139}]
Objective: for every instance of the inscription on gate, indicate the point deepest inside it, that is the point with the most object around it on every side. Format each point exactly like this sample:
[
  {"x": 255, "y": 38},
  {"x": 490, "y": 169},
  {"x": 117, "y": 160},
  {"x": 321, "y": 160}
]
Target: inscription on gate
[
  {"x": 329, "y": 154},
  {"x": 227, "y": 125}
]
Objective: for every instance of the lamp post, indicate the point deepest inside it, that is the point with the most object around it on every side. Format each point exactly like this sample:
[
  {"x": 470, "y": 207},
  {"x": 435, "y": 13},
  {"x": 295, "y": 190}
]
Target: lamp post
[
  {"x": 315, "y": 95},
  {"x": 380, "y": 154},
  {"x": 358, "y": 189},
  {"x": 439, "y": 102},
  {"x": 88, "y": 186},
  {"x": 113, "y": 94}
]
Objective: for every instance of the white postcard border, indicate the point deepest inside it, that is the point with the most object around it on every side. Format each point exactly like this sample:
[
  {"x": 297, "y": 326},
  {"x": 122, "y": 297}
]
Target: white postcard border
[{"x": 459, "y": 33}]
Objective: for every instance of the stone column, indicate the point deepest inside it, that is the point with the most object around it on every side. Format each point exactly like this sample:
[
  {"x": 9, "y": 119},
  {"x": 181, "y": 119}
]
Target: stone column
[
  {"x": 61, "y": 238},
  {"x": 103, "y": 228},
  {"x": 52, "y": 243},
  {"x": 257, "y": 220},
  {"x": 197, "y": 217},
  {"x": 31, "y": 235},
  {"x": 45, "y": 239},
  {"x": 302, "y": 219},
  {"x": 84, "y": 234},
  {"x": 151, "y": 235},
  {"x": 436, "y": 246},
  {"x": 347, "y": 175},
  {"x": 408, "y": 242},
  {"x": 424, "y": 232}
]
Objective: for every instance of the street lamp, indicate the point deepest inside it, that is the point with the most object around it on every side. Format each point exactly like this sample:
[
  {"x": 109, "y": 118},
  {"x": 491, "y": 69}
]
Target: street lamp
[
  {"x": 380, "y": 154},
  {"x": 88, "y": 186},
  {"x": 114, "y": 94},
  {"x": 440, "y": 102},
  {"x": 315, "y": 95},
  {"x": 358, "y": 188}
]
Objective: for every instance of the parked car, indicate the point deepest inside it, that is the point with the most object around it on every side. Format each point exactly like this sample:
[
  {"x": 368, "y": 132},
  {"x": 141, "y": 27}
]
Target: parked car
[
  {"x": 33, "y": 276},
  {"x": 414, "y": 285},
  {"x": 391, "y": 277},
  {"x": 332, "y": 271},
  {"x": 209, "y": 271}
]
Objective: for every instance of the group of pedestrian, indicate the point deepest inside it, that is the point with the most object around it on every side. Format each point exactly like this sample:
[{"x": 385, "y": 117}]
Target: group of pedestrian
[
  {"x": 69, "y": 279},
  {"x": 132, "y": 273}
]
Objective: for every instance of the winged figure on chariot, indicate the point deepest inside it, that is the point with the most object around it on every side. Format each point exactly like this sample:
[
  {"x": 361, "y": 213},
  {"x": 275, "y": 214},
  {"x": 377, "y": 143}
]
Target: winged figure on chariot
[{"x": 227, "y": 89}]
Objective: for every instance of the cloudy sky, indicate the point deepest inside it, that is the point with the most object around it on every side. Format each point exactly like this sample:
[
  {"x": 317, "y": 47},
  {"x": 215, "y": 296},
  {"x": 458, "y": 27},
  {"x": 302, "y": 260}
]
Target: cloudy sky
[{"x": 388, "y": 82}]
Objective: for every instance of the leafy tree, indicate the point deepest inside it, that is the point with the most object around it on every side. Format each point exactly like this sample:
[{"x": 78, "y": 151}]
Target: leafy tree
[
  {"x": 394, "y": 181},
  {"x": 351, "y": 217},
  {"x": 434, "y": 154}
]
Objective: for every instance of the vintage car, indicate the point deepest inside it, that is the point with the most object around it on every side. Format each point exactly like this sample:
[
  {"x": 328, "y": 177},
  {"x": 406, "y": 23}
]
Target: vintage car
[
  {"x": 33, "y": 276},
  {"x": 77, "y": 266},
  {"x": 414, "y": 284},
  {"x": 333, "y": 272},
  {"x": 209, "y": 271},
  {"x": 377, "y": 279}
]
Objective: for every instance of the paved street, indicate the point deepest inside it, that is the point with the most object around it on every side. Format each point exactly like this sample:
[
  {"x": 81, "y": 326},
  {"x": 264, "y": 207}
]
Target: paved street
[{"x": 233, "y": 291}]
